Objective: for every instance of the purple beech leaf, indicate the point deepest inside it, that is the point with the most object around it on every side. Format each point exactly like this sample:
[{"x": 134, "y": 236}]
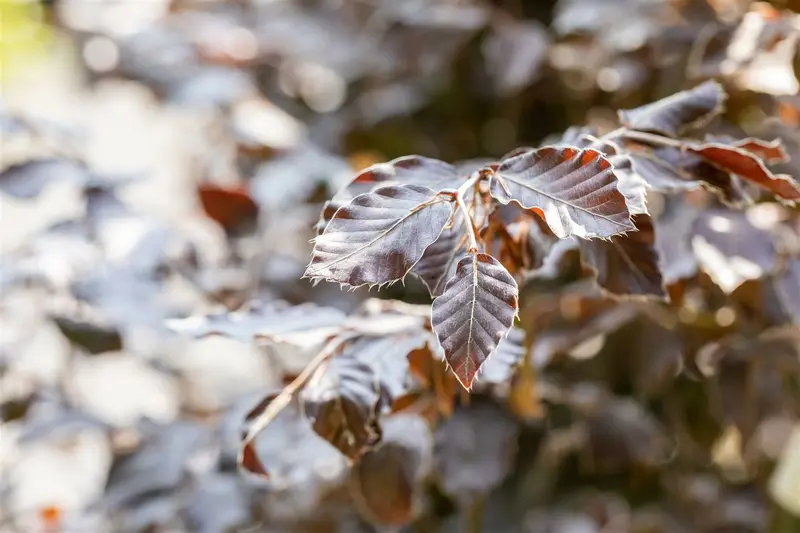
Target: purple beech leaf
[
  {"x": 406, "y": 170},
  {"x": 576, "y": 191},
  {"x": 677, "y": 113},
  {"x": 474, "y": 314},
  {"x": 438, "y": 263},
  {"x": 627, "y": 265},
  {"x": 385, "y": 483},
  {"x": 345, "y": 397},
  {"x": 379, "y": 236},
  {"x": 671, "y": 170},
  {"x": 673, "y": 229}
]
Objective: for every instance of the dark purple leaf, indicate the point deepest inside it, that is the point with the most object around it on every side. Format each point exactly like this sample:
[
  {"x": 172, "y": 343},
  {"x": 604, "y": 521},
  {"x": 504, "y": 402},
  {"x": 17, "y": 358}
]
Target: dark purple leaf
[
  {"x": 344, "y": 398},
  {"x": 379, "y": 236},
  {"x": 474, "y": 313},
  {"x": 677, "y": 113},
  {"x": 627, "y": 265},
  {"x": 575, "y": 191}
]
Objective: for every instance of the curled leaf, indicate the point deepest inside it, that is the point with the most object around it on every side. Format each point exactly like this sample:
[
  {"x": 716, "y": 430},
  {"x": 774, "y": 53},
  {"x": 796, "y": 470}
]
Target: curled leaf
[
  {"x": 345, "y": 397},
  {"x": 575, "y": 191},
  {"x": 379, "y": 236},
  {"x": 474, "y": 313}
]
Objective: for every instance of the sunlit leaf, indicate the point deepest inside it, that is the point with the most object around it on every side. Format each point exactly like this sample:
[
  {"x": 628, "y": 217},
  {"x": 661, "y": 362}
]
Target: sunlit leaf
[
  {"x": 438, "y": 263},
  {"x": 732, "y": 250},
  {"x": 575, "y": 190},
  {"x": 270, "y": 321},
  {"x": 677, "y": 113},
  {"x": 474, "y": 313},
  {"x": 379, "y": 236},
  {"x": 406, "y": 170}
]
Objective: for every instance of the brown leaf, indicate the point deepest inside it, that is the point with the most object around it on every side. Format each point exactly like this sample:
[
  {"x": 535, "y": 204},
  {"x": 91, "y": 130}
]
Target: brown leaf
[
  {"x": 627, "y": 264},
  {"x": 345, "y": 397},
  {"x": 281, "y": 452},
  {"x": 474, "y": 313},
  {"x": 748, "y": 166},
  {"x": 732, "y": 250},
  {"x": 379, "y": 236},
  {"x": 679, "y": 112},
  {"x": 574, "y": 190},
  {"x": 385, "y": 481},
  {"x": 233, "y": 209}
]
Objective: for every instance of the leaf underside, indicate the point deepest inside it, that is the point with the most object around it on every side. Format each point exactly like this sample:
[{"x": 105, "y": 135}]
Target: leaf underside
[
  {"x": 474, "y": 313},
  {"x": 379, "y": 236},
  {"x": 575, "y": 190}
]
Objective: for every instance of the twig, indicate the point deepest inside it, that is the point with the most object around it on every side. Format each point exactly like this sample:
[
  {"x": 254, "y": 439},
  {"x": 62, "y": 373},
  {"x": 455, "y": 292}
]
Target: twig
[{"x": 283, "y": 399}]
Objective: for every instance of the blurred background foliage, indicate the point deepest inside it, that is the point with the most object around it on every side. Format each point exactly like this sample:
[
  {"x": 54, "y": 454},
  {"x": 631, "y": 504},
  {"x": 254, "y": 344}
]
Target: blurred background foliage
[{"x": 168, "y": 157}]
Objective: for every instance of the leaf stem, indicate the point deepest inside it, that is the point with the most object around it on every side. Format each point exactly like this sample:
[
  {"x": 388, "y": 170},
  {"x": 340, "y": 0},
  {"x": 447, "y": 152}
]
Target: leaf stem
[
  {"x": 460, "y": 193},
  {"x": 650, "y": 138}
]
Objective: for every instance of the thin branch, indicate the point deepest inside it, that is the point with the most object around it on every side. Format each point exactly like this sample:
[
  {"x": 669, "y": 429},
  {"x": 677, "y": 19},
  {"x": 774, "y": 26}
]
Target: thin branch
[
  {"x": 650, "y": 138},
  {"x": 285, "y": 397}
]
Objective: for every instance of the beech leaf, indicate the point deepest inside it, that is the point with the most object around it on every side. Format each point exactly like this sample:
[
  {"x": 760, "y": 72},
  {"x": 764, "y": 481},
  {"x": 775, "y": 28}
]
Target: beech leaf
[
  {"x": 474, "y": 313},
  {"x": 345, "y": 397},
  {"x": 406, "y": 170},
  {"x": 575, "y": 191},
  {"x": 749, "y": 167},
  {"x": 379, "y": 236},
  {"x": 438, "y": 263},
  {"x": 385, "y": 482},
  {"x": 677, "y": 113},
  {"x": 627, "y": 264}
]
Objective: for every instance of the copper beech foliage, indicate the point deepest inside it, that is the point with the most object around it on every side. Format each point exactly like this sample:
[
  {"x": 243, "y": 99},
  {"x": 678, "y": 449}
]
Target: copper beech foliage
[{"x": 471, "y": 234}]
